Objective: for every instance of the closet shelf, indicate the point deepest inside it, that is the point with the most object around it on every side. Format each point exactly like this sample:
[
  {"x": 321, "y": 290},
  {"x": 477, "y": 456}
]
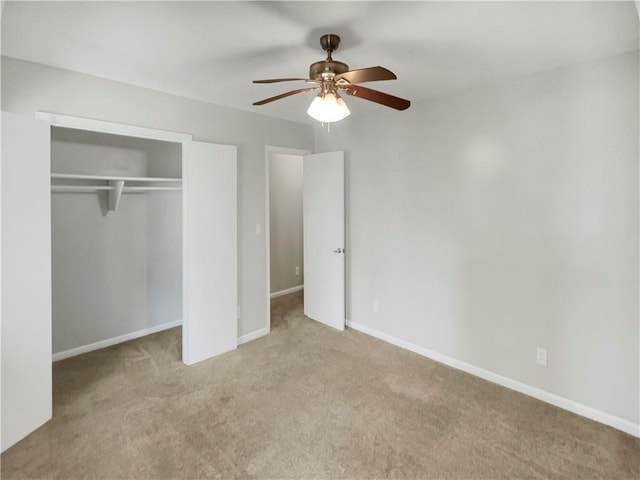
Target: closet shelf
[{"x": 115, "y": 185}]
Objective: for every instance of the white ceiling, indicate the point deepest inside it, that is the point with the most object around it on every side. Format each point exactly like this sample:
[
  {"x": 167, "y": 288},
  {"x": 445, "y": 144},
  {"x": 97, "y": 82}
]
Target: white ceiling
[{"x": 212, "y": 50}]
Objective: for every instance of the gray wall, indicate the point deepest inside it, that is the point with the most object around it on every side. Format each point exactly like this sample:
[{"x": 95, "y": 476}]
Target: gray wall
[
  {"x": 500, "y": 219},
  {"x": 28, "y": 87},
  {"x": 285, "y": 221},
  {"x": 118, "y": 272}
]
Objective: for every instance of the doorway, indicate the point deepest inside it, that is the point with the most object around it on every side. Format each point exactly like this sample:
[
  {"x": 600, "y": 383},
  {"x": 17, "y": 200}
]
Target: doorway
[
  {"x": 284, "y": 222},
  {"x": 322, "y": 215}
]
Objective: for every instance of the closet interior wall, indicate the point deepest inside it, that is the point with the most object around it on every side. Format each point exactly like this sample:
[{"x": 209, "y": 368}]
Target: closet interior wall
[{"x": 117, "y": 272}]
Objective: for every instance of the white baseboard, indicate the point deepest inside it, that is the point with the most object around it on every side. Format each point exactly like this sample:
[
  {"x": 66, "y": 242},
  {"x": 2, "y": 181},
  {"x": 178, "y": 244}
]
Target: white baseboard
[
  {"x": 564, "y": 403},
  {"x": 114, "y": 341},
  {"x": 253, "y": 335},
  {"x": 287, "y": 291},
  {"x": 141, "y": 333}
]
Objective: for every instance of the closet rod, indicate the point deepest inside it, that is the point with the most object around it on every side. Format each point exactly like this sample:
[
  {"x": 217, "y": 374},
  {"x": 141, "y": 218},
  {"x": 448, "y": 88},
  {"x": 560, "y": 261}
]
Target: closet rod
[
  {"x": 77, "y": 176},
  {"x": 95, "y": 188},
  {"x": 79, "y": 188},
  {"x": 149, "y": 189}
]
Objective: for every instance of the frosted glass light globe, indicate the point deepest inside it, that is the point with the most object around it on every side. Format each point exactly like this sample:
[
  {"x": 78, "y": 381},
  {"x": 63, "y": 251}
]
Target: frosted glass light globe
[{"x": 328, "y": 108}]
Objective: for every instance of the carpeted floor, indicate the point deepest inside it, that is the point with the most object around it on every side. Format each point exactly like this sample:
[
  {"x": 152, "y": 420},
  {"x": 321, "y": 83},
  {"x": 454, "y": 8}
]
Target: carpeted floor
[{"x": 303, "y": 402}]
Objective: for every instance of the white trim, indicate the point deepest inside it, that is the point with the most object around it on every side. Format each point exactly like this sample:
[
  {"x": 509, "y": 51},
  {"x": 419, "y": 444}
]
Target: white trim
[
  {"x": 268, "y": 151},
  {"x": 68, "y": 121},
  {"x": 114, "y": 341},
  {"x": 287, "y": 291},
  {"x": 286, "y": 150},
  {"x": 253, "y": 335},
  {"x": 551, "y": 398}
]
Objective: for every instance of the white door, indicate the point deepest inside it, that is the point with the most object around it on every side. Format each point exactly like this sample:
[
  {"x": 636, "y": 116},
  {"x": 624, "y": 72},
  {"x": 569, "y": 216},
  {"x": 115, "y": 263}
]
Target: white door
[
  {"x": 26, "y": 277},
  {"x": 323, "y": 221},
  {"x": 209, "y": 193}
]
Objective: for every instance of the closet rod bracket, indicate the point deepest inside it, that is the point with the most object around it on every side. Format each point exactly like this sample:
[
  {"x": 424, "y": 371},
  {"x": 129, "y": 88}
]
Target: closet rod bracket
[{"x": 115, "y": 194}]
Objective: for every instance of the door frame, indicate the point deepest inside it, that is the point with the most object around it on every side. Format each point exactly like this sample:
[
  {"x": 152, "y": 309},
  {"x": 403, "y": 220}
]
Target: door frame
[
  {"x": 80, "y": 123},
  {"x": 268, "y": 151}
]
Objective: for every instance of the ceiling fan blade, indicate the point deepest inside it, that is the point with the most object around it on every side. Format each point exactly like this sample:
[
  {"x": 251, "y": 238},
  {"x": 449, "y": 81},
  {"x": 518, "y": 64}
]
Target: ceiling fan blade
[
  {"x": 274, "y": 80},
  {"x": 283, "y": 95},
  {"x": 378, "y": 97},
  {"x": 370, "y": 74}
]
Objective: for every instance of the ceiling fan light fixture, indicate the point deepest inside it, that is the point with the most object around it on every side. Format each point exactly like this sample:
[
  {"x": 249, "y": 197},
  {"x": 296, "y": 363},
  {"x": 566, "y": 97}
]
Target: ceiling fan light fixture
[{"x": 328, "y": 107}]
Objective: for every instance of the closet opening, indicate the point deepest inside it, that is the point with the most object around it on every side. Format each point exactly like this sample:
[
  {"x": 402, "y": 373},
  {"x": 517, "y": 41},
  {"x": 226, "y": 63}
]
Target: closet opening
[{"x": 116, "y": 232}]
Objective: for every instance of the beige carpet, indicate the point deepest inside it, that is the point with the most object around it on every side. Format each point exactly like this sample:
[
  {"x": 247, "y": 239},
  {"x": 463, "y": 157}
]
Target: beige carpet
[{"x": 303, "y": 402}]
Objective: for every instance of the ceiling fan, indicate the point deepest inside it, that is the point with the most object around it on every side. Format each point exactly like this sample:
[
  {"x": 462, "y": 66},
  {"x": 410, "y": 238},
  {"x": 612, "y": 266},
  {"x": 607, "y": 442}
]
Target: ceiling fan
[{"x": 331, "y": 76}]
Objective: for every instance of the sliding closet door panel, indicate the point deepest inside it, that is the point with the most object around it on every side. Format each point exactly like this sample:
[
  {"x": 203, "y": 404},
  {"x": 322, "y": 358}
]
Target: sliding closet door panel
[
  {"x": 26, "y": 277},
  {"x": 210, "y": 247}
]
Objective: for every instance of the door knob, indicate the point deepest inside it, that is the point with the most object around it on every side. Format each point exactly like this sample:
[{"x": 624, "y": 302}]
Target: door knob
[{"x": 339, "y": 250}]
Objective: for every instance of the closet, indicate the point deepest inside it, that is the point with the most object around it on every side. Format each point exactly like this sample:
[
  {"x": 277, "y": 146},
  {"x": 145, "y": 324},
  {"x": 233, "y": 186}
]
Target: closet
[
  {"x": 116, "y": 225},
  {"x": 125, "y": 230}
]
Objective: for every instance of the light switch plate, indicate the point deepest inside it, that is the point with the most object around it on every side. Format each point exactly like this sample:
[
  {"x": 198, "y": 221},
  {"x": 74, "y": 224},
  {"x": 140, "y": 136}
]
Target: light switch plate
[{"x": 541, "y": 356}]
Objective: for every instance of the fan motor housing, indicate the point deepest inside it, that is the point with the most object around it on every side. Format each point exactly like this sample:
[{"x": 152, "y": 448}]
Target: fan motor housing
[{"x": 326, "y": 66}]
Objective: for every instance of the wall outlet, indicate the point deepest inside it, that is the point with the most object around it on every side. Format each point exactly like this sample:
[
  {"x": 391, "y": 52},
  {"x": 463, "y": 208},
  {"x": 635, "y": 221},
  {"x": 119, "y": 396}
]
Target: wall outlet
[
  {"x": 297, "y": 269},
  {"x": 258, "y": 229},
  {"x": 376, "y": 306},
  {"x": 541, "y": 356}
]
